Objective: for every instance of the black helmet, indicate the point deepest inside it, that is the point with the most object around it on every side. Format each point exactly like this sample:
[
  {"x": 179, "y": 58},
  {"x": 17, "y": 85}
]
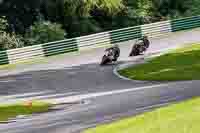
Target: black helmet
[
  {"x": 145, "y": 37},
  {"x": 116, "y": 45}
]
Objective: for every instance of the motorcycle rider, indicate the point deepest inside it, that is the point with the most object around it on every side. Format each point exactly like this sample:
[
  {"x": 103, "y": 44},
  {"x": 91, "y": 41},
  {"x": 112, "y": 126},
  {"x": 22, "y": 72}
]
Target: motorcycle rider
[
  {"x": 146, "y": 41},
  {"x": 115, "y": 52},
  {"x": 141, "y": 46}
]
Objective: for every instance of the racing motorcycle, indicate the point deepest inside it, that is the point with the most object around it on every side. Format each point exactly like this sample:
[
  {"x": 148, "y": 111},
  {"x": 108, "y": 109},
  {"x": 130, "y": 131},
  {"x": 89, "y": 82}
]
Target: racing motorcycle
[
  {"x": 108, "y": 57},
  {"x": 138, "y": 48}
]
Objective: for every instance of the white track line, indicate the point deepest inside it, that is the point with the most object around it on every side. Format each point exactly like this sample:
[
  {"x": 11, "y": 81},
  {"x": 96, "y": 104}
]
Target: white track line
[
  {"x": 24, "y": 95},
  {"x": 41, "y": 125},
  {"x": 99, "y": 94},
  {"x": 7, "y": 81},
  {"x": 46, "y": 96}
]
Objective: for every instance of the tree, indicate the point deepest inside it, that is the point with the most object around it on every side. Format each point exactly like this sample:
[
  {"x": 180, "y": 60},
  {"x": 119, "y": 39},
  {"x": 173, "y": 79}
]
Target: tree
[
  {"x": 3, "y": 24},
  {"x": 8, "y": 40},
  {"x": 194, "y": 8},
  {"x": 43, "y": 32},
  {"x": 53, "y": 10},
  {"x": 89, "y": 15},
  {"x": 20, "y": 13},
  {"x": 170, "y": 8}
]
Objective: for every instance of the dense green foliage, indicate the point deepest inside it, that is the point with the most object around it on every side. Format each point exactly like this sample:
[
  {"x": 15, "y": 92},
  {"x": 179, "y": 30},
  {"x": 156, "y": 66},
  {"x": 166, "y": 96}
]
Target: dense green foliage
[
  {"x": 43, "y": 32},
  {"x": 8, "y": 40},
  {"x": 82, "y": 17}
]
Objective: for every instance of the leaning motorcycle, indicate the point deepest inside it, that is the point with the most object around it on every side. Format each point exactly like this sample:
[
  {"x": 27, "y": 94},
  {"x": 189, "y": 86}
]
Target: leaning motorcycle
[
  {"x": 138, "y": 48},
  {"x": 108, "y": 57}
]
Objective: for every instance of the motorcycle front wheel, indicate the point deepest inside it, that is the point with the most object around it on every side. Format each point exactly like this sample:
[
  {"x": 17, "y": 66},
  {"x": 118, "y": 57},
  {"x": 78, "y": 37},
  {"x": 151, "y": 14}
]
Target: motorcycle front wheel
[
  {"x": 134, "y": 52},
  {"x": 105, "y": 60}
]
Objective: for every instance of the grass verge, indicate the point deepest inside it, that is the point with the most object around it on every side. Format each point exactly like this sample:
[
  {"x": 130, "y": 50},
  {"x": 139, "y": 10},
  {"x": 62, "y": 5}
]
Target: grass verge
[
  {"x": 180, "y": 64},
  {"x": 178, "y": 118},
  {"x": 13, "y": 110}
]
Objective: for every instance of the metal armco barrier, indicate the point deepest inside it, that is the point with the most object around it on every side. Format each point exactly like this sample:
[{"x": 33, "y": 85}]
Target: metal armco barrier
[
  {"x": 92, "y": 41},
  {"x": 60, "y": 47},
  {"x": 185, "y": 23},
  {"x": 26, "y": 53},
  {"x": 4, "y": 58},
  {"x": 125, "y": 34},
  {"x": 156, "y": 29}
]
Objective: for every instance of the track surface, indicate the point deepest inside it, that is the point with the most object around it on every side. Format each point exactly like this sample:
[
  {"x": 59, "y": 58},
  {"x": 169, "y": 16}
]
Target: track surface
[{"x": 77, "y": 75}]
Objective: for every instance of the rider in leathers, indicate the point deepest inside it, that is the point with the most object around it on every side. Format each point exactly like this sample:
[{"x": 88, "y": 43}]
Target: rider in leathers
[
  {"x": 115, "y": 51},
  {"x": 146, "y": 41},
  {"x": 137, "y": 47}
]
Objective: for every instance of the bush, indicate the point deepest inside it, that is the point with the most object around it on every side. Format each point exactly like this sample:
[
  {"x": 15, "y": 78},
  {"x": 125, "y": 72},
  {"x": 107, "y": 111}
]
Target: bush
[
  {"x": 43, "y": 32},
  {"x": 10, "y": 41},
  {"x": 3, "y": 24}
]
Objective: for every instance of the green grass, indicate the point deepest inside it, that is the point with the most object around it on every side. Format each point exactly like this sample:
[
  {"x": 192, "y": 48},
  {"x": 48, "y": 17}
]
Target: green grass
[
  {"x": 178, "y": 118},
  {"x": 181, "y": 64},
  {"x": 13, "y": 110}
]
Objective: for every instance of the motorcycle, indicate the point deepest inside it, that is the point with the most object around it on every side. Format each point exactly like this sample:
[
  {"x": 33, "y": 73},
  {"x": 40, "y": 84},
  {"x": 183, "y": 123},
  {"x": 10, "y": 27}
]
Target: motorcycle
[
  {"x": 108, "y": 57},
  {"x": 138, "y": 48}
]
